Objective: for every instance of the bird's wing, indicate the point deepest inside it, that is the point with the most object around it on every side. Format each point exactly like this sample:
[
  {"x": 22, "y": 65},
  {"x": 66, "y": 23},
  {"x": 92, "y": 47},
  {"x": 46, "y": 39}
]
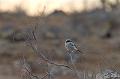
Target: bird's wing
[{"x": 76, "y": 48}]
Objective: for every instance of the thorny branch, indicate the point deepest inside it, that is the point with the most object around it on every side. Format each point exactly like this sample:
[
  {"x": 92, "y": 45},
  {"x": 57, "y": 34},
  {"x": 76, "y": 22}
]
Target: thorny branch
[
  {"x": 31, "y": 40},
  {"x": 27, "y": 69},
  {"x": 30, "y": 74},
  {"x": 35, "y": 49}
]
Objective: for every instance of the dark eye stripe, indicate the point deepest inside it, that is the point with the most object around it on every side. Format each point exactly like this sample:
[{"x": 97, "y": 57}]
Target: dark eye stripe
[{"x": 69, "y": 41}]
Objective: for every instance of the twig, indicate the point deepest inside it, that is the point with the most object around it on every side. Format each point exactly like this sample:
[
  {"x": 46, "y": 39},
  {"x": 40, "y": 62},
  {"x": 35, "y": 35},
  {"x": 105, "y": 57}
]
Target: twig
[
  {"x": 43, "y": 57},
  {"x": 44, "y": 76}
]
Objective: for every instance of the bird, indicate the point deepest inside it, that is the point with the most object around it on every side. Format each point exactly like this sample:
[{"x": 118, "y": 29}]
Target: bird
[{"x": 71, "y": 46}]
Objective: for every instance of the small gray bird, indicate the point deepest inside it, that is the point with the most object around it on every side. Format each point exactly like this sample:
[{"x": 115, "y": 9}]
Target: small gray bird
[{"x": 70, "y": 46}]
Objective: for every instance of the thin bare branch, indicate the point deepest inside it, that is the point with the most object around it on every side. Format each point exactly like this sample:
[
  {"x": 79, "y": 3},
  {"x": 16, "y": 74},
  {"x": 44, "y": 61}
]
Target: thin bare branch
[
  {"x": 44, "y": 76},
  {"x": 42, "y": 13},
  {"x": 36, "y": 50}
]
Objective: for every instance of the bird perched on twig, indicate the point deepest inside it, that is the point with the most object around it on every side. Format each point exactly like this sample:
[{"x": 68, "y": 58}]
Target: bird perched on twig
[{"x": 70, "y": 46}]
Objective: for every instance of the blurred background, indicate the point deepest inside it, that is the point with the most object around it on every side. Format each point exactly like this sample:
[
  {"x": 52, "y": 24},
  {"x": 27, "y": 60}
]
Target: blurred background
[{"x": 94, "y": 25}]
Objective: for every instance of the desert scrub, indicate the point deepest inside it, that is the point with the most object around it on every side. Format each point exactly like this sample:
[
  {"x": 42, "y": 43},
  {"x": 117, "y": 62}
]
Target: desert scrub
[{"x": 52, "y": 68}]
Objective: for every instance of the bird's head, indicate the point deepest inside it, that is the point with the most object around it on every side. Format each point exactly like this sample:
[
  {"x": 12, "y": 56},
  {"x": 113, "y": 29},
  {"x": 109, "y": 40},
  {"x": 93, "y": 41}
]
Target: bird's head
[{"x": 68, "y": 40}]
